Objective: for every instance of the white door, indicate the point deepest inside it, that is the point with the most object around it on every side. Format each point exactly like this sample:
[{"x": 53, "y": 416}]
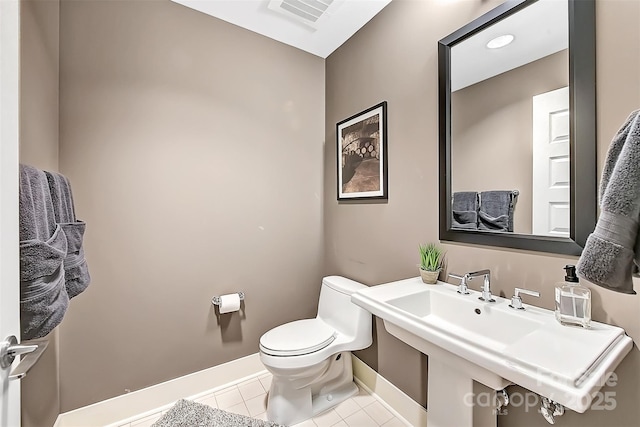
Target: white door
[
  {"x": 551, "y": 174},
  {"x": 9, "y": 274}
]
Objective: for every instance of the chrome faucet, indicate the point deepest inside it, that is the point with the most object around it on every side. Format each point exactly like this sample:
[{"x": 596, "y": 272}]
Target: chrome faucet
[
  {"x": 516, "y": 299},
  {"x": 462, "y": 287},
  {"x": 486, "y": 287}
]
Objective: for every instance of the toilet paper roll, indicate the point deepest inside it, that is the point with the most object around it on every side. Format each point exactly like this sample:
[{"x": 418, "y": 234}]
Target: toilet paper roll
[{"x": 229, "y": 303}]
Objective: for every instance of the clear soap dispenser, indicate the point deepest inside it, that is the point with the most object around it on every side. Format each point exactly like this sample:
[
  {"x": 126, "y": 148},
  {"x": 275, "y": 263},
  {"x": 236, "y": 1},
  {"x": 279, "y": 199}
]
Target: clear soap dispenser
[{"x": 573, "y": 301}]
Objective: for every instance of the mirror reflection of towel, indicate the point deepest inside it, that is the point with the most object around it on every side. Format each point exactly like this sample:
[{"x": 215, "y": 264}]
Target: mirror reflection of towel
[
  {"x": 464, "y": 210},
  {"x": 496, "y": 210}
]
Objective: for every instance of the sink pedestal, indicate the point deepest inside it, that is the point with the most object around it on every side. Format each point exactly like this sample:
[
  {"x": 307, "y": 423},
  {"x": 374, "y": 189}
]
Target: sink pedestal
[
  {"x": 450, "y": 395},
  {"x": 452, "y": 401},
  {"x": 450, "y": 398}
]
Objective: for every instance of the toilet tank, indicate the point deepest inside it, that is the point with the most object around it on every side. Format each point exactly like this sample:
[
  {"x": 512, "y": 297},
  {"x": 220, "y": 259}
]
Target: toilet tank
[{"x": 336, "y": 309}]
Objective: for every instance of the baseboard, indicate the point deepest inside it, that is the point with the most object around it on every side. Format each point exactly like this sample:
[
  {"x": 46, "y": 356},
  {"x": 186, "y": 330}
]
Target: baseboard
[
  {"x": 397, "y": 400},
  {"x": 164, "y": 394}
]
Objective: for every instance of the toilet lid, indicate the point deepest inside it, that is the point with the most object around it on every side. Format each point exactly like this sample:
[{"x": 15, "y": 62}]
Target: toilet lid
[{"x": 296, "y": 338}]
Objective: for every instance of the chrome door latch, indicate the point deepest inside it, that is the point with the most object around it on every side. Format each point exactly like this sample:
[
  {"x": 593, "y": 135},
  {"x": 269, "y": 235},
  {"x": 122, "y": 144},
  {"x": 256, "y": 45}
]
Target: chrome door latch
[{"x": 10, "y": 349}]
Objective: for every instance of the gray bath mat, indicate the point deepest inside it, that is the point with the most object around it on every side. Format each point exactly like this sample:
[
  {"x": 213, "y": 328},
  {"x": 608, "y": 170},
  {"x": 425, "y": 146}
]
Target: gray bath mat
[{"x": 186, "y": 413}]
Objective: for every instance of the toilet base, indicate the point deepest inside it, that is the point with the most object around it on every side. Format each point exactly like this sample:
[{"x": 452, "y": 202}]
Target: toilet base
[
  {"x": 324, "y": 402},
  {"x": 291, "y": 402}
]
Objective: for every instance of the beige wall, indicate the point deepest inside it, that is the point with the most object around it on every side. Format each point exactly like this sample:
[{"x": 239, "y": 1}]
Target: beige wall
[
  {"x": 193, "y": 158},
  {"x": 39, "y": 64},
  {"x": 195, "y": 152},
  {"x": 394, "y": 58},
  {"x": 39, "y": 61},
  {"x": 483, "y": 159}
]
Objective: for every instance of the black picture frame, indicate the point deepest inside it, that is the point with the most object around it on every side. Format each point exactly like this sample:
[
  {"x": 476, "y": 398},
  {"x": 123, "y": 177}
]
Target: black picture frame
[{"x": 361, "y": 142}]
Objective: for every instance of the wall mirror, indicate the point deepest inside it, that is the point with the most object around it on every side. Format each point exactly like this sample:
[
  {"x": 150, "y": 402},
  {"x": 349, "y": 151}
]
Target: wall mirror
[{"x": 517, "y": 125}]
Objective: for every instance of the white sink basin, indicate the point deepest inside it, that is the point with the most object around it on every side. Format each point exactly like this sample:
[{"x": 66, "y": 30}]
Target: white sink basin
[
  {"x": 498, "y": 345},
  {"x": 469, "y": 318}
]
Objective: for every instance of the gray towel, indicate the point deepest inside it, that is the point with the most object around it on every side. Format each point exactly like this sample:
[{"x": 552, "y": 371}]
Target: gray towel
[
  {"x": 43, "y": 247},
  {"x": 496, "y": 210},
  {"x": 464, "y": 210},
  {"x": 76, "y": 271},
  {"x": 61, "y": 197},
  {"x": 609, "y": 254}
]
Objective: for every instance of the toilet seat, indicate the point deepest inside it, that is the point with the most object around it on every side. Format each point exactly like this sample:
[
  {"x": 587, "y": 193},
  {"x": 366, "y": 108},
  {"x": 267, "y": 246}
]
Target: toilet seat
[{"x": 297, "y": 338}]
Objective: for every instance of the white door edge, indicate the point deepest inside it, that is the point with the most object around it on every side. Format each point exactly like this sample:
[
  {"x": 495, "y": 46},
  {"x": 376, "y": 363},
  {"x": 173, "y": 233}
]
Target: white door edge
[{"x": 9, "y": 252}]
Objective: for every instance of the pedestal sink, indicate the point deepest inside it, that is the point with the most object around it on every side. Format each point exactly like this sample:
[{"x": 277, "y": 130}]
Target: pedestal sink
[{"x": 470, "y": 340}]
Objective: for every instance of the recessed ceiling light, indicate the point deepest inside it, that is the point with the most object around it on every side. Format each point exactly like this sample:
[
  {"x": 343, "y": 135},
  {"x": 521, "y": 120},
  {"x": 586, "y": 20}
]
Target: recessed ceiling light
[{"x": 500, "y": 41}]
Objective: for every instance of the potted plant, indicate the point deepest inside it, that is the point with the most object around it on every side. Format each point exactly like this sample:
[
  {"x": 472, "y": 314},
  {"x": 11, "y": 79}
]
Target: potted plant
[{"x": 431, "y": 257}]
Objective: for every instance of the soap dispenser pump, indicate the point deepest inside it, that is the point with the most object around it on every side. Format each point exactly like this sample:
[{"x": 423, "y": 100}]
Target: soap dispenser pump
[{"x": 573, "y": 301}]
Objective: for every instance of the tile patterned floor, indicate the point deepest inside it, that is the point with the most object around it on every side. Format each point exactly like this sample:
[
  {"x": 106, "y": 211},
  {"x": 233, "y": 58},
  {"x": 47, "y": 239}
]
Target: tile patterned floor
[{"x": 250, "y": 398}]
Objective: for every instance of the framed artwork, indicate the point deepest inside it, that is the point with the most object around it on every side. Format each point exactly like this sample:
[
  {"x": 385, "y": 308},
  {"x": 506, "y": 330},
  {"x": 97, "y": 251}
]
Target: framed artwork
[{"x": 362, "y": 154}]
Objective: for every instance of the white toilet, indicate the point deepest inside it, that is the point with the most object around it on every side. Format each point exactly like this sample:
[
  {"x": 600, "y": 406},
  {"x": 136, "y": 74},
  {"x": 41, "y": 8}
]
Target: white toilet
[{"x": 310, "y": 359}]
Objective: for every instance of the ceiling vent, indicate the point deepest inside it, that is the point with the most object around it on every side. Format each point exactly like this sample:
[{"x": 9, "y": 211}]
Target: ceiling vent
[{"x": 309, "y": 12}]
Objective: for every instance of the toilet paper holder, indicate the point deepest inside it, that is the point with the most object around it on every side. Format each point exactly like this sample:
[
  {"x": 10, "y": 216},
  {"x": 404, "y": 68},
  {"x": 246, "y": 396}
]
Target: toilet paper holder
[{"x": 216, "y": 300}]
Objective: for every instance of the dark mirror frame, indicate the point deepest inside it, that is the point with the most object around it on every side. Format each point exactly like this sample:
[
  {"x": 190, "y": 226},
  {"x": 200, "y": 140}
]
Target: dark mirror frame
[{"x": 582, "y": 143}]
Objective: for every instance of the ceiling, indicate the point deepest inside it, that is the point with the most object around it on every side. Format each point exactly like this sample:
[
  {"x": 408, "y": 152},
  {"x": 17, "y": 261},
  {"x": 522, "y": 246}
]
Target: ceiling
[
  {"x": 321, "y": 26},
  {"x": 315, "y": 26},
  {"x": 540, "y": 29}
]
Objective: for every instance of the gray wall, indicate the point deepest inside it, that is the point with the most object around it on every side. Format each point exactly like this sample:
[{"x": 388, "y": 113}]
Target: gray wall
[
  {"x": 157, "y": 108},
  {"x": 39, "y": 61},
  {"x": 194, "y": 148},
  {"x": 394, "y": 58}
]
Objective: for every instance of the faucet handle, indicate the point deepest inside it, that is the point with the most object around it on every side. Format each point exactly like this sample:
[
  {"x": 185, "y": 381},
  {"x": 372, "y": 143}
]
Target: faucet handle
[
  {"x": 462, "y": 287},
  {"x": 486, "y": 290},
  {"x": 516, "y": 299}
]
